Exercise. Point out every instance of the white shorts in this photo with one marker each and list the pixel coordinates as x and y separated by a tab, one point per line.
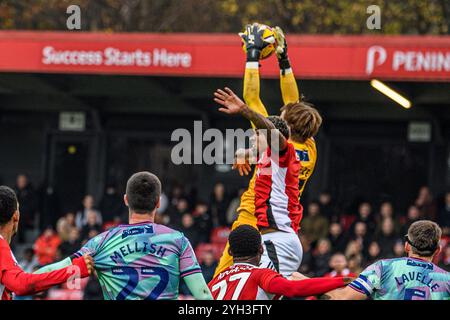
283	252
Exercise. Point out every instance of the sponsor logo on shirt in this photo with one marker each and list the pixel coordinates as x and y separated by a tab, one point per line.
136	231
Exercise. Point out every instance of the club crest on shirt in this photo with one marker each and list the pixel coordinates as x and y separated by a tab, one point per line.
302	155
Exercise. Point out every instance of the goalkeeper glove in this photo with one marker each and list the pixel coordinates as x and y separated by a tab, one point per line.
253	41
281	50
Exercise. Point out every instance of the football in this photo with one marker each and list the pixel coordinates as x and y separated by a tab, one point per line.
269	40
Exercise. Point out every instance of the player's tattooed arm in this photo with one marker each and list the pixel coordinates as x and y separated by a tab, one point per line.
233	105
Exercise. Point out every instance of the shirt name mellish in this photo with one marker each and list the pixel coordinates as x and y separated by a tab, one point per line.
143	247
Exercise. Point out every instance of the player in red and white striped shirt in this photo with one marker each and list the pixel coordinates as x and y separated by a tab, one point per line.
12	278
277	205
244	280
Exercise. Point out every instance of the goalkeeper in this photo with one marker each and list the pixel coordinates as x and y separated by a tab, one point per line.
304	122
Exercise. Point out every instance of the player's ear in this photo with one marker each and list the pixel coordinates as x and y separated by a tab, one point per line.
229	251
438	250
407	247
158	204
16	216
125	199
261	250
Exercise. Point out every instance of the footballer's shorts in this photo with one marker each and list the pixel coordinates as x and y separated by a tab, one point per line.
226	260
283	252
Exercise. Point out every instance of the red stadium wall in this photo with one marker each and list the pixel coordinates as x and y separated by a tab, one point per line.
416	58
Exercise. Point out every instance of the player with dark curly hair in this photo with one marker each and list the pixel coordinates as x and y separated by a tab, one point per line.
12	278
244	280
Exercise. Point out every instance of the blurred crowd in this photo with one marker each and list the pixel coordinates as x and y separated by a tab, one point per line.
335	241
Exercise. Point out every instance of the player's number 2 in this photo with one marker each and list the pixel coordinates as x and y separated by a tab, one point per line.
133	280
222	285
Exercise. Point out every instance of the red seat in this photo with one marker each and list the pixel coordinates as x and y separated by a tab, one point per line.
215	248
203	248
346	221
220	235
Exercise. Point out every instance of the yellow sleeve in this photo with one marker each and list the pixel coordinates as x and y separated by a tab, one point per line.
251	88
289	88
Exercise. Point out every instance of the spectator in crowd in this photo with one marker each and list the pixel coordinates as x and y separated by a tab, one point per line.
208	266
387	212
28	264
338	266
29	261
189	230
354	247
445	260
374	253
444	216
219	205
202	221
46	246
314	225
387	237
321	257
177	212
399	249
91	224
176	194
337	238
112	204
413	215
92	233
425	203
72	244
307	260
361	236
93	290
28	199
364	215
232	208
354	263
88	206
327	207
64	225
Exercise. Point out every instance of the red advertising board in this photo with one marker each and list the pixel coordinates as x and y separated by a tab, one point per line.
415	58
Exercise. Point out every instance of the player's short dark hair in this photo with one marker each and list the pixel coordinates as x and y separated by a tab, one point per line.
8	204
143	192
280	124
424	237
245	241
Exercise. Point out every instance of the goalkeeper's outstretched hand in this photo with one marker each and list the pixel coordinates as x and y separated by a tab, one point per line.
253	41
281	50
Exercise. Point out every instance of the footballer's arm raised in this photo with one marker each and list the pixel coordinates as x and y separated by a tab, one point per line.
251	93
233	105
288	85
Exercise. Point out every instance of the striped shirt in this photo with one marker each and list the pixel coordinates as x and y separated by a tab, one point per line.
277	202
